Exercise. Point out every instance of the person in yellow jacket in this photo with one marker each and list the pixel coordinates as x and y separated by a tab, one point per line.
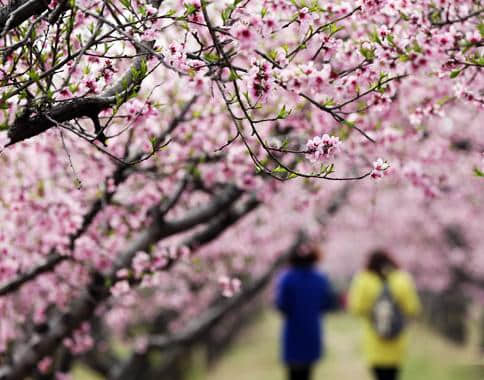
383	354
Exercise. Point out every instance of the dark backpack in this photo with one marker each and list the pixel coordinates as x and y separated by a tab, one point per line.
387	317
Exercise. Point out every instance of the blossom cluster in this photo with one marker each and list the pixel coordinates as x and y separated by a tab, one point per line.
230	286
380	168
323	148
182	103
260	81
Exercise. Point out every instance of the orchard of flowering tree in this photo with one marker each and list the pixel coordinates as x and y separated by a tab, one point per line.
160	158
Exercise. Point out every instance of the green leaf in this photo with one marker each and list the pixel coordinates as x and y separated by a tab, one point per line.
195	172
315	7
477	59
329	102
283	113
480	27
344	133
246	96
333	28
143	68
404	16
369	54
416	47
170	13
34	75
73	87
435	17
348	123
50	94
154	142
211	57
234	76
279	169
478	172
272	54
190	9
77	183
107	282
226	13
375	37
455	73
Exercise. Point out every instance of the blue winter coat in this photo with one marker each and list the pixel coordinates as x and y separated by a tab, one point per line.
303	295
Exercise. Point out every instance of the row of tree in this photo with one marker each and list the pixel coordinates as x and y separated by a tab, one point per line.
159	155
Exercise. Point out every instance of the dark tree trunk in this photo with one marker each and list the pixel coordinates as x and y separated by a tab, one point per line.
446	312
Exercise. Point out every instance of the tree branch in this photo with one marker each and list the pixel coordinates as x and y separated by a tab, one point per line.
215	228
17	11
212	316
120	174
98	290
29	125
207	320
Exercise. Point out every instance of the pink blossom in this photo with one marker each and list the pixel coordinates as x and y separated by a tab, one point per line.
53	4
198	82
176	56
304	17
225	74
45	364
196	14
120	288
65	93
151	10
260	81
319	78
62	376
245	35
141	262
81	340
230	286
141	344
373	5
380	168
415	91
473	37
122	273
90	84
270	24
280	58
323	148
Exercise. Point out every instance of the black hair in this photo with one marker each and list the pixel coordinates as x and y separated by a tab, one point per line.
381	262
305	256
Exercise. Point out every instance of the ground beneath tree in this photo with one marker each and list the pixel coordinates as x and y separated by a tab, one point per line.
254	356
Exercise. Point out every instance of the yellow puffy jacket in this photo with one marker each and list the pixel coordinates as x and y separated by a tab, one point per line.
364	290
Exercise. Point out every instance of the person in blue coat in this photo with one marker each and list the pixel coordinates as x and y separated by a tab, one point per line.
303	295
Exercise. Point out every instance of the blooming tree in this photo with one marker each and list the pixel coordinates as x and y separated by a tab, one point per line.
136	135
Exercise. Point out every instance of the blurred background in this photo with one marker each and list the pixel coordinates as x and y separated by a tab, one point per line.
445	344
